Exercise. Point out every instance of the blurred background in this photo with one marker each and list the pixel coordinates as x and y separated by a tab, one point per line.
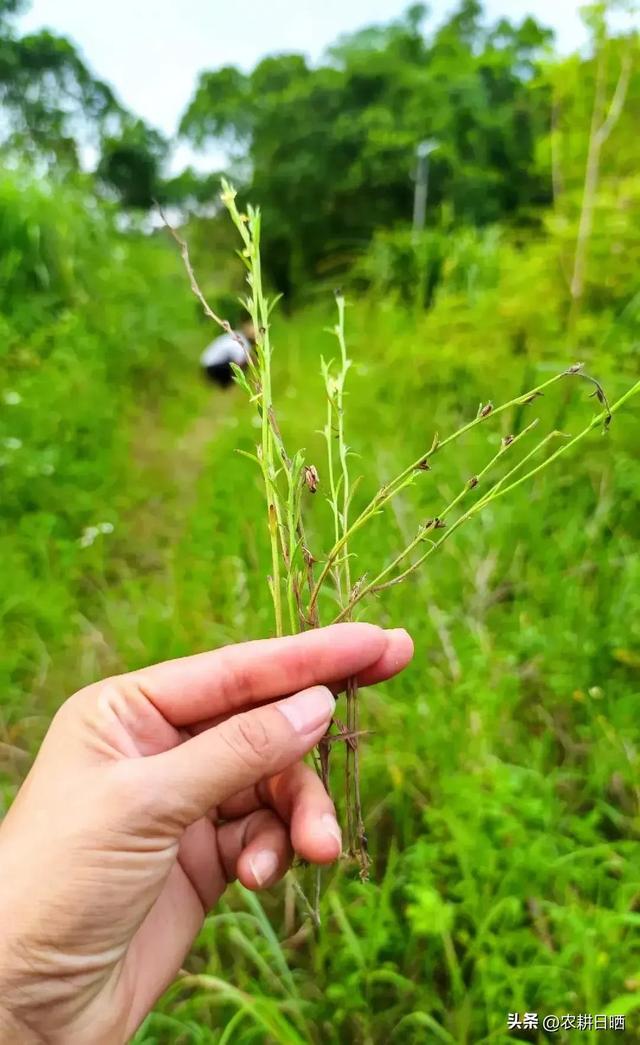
468	174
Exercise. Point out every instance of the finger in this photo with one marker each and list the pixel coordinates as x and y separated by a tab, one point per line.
255	849
395	657
200	859
188	780
300	799
195	688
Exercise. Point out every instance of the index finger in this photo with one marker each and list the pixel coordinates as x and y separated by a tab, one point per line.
189	690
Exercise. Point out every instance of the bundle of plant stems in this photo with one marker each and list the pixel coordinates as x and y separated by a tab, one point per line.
300	579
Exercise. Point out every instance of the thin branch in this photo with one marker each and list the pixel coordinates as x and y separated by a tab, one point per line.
433	525
195	286
406	477
500	489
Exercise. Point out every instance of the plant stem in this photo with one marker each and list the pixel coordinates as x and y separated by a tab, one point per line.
408	475
595	423
434	523
500	489
343	450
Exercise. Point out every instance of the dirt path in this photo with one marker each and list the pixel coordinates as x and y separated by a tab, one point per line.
167	460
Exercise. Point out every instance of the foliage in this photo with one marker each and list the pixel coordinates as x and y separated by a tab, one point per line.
61	467
57	112
499	779
131	164
491	778
39	75
331	149
500	772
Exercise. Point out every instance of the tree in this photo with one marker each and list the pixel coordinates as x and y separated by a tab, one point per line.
57	113
52	103
131	164
329	151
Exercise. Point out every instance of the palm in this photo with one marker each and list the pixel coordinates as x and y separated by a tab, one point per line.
150	793
188	875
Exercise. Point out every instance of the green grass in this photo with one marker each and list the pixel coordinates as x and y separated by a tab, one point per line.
500	780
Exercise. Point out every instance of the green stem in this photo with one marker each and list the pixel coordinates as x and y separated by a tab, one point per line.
333	491
600	419
342	446
405	477
249	229
422	534
501	489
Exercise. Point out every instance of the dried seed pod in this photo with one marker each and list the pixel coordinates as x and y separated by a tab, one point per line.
311	478
532	398
575	369
486	410
507	441
473	482
424	465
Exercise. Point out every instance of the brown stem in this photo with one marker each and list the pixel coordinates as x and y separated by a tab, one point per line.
358	840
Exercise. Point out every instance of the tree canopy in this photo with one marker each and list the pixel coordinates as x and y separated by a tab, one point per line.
329	150
56	112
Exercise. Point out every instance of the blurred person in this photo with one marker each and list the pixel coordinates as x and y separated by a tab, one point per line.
150	794
235	347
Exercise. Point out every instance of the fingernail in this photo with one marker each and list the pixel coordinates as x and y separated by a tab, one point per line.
399	632
330	825
309	710
264	865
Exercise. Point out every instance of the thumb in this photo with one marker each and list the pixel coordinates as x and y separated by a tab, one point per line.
238	753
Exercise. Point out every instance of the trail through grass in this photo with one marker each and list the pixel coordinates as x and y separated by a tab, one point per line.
500	778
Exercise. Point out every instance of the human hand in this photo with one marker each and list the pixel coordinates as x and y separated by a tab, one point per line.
151	792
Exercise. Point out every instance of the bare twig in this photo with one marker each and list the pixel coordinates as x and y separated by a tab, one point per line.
422	465
286	477
195	286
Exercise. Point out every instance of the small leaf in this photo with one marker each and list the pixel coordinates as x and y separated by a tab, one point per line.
274	301
240	378
249	456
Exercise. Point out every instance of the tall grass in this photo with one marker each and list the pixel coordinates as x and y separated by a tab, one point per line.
285	475
499	776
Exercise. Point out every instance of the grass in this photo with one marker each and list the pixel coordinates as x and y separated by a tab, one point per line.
286	473
500	779
499	783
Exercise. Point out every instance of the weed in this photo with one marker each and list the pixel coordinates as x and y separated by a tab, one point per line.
297	588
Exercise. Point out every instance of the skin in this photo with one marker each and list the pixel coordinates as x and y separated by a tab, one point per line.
151	792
